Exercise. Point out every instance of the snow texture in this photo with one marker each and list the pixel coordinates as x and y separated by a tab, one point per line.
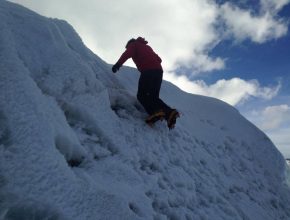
74	145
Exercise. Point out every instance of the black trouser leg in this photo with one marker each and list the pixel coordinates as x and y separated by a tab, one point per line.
148	92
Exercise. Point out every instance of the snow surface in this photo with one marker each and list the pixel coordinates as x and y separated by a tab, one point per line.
74	145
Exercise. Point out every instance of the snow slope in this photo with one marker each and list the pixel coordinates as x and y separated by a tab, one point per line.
73	143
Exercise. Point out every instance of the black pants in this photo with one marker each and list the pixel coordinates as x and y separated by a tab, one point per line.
148	92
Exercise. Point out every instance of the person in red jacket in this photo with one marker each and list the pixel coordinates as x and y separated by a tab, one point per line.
149	64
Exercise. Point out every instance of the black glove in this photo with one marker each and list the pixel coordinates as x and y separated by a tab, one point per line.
115	68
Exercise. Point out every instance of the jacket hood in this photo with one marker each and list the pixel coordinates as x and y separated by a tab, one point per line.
142	40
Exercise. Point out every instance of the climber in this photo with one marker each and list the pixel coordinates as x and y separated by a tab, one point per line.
149	65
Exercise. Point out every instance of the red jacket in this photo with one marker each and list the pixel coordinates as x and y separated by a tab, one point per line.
142	54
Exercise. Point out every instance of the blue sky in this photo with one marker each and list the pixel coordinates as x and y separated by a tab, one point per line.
267	62
237	51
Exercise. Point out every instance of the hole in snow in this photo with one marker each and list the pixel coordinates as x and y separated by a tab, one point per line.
65	148
74	162
4	131
134	209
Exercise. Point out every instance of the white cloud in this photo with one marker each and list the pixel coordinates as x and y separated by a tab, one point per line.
233	91
200	62
274	117
179	32
182	32
242	24
275	122
281	139
273	6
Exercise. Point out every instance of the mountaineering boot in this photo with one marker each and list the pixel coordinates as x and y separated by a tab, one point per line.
173	115
159	115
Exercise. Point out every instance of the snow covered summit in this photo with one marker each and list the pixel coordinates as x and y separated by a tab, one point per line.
74	145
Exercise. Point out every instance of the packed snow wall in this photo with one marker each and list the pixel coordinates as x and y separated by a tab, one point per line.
74	145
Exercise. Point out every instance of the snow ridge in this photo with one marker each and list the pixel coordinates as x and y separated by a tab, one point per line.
74	145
